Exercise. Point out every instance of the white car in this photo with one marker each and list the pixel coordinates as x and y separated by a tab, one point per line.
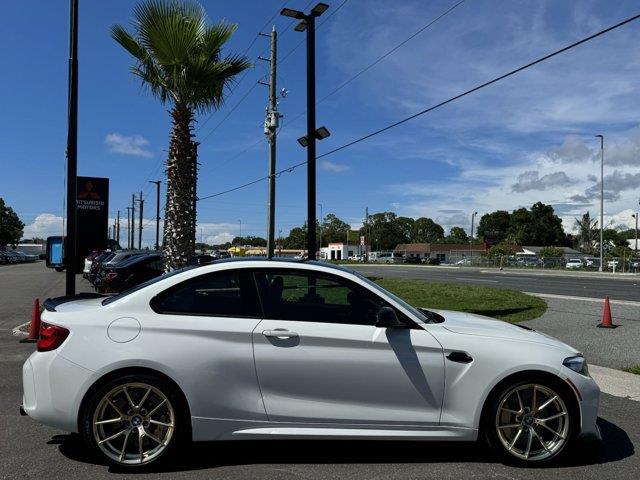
250	349
574	263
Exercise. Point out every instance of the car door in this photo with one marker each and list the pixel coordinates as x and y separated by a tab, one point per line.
321	359
201	328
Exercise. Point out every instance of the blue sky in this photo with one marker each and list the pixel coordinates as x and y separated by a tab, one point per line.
526	139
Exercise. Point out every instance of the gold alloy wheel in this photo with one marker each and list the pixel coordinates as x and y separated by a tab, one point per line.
133	423
532	422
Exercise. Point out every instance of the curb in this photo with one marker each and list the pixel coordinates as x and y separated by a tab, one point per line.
616	382
21	330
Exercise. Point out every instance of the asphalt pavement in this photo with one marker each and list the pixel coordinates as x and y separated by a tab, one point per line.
539	281
31	450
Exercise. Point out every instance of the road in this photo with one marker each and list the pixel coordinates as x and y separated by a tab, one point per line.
621	288
30	450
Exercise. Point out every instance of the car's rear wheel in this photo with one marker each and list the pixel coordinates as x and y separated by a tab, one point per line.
531	422
133	421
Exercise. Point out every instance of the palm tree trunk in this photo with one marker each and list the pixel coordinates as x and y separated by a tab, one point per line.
180	215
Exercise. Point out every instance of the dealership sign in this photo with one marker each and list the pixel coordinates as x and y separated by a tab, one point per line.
92	205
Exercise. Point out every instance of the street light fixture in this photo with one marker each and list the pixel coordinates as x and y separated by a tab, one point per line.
308	24
601	198
320	134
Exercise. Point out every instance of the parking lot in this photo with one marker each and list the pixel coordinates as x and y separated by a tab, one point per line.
29	450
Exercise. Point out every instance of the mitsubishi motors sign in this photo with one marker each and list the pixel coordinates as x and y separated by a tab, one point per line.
92	203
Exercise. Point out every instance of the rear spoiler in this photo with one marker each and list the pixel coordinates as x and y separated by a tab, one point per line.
50	304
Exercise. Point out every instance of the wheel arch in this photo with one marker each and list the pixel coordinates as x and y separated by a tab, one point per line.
120	372
526	375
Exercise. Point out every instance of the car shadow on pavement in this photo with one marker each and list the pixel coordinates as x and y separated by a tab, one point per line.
616	446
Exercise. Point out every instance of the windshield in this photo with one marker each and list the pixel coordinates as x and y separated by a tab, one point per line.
159	278
422	315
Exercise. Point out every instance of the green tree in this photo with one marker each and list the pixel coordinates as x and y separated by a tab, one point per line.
385	232
551	252
179	59
494	226
536	226
333	229
457	235
297	237
427	231
586	227
500	250
11	228
249	240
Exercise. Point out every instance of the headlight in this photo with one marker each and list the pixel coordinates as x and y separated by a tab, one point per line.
577	364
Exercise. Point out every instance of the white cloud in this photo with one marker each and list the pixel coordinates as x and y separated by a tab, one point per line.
328	166
128	145
45	225
531	180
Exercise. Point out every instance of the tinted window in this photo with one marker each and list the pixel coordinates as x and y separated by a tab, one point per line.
226	294
313	297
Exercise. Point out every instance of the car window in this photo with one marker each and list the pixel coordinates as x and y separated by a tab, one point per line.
315	297
226	294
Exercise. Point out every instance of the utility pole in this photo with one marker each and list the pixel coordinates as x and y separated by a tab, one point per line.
118	228
366	233
271	123
601	137
473	217
157	183
133	221
140	226
72	153
129	228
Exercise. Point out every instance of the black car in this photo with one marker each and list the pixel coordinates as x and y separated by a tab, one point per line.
132	272
94	270
411	260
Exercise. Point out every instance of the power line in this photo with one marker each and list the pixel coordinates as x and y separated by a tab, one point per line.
379	59
434	107
481	86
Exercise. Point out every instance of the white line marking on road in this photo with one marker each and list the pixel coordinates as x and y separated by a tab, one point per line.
476	279
584	299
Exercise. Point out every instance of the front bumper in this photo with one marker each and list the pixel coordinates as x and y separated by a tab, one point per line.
52	389
588	394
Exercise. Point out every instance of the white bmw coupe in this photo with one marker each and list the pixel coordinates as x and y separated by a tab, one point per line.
260	349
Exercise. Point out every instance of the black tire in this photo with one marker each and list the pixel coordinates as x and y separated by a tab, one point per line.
59	269
570	431
180	430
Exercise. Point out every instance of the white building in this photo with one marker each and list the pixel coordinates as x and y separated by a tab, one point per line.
342	251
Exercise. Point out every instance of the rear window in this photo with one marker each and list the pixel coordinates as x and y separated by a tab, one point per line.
131	290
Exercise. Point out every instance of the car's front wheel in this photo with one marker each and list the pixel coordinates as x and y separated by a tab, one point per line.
531	422
133	421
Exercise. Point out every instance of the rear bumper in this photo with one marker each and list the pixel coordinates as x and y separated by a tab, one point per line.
52	389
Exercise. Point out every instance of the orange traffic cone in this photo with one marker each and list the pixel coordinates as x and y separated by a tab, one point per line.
34	326
607	321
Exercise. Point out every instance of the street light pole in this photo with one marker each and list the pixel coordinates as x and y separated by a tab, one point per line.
72	153
320	227
635	215
601	137
308	23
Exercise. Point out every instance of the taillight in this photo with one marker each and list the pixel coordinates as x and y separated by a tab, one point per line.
111	276
51	337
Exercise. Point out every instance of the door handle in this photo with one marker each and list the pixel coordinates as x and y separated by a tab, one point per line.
460	357
280	333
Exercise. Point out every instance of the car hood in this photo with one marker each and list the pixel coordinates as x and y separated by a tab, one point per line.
471	324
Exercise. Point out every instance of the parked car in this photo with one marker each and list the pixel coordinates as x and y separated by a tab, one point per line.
131	272
265	349
88	260
4	259
12	256
95	265
411	260
574	263
432	261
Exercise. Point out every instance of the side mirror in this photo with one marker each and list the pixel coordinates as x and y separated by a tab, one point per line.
387	318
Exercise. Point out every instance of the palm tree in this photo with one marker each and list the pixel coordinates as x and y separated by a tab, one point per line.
586	227
178	58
